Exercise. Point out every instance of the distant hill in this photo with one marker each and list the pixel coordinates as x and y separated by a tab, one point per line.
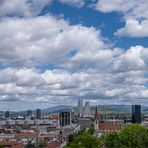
56	108
59	108
122	108
116	108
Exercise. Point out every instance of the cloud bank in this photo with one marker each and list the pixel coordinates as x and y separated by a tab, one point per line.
46	59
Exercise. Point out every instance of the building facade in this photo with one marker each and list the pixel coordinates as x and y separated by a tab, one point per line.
80	108
65	118
86	112
136	114
29	113
7	114
38	114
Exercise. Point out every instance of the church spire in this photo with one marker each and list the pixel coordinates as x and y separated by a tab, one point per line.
96	114
96	120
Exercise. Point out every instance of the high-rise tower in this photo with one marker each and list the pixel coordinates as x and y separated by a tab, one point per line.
65	118
86	112
29	113
7	114
136	113
38	114
80	108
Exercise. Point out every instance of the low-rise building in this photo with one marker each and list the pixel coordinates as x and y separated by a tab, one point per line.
11	144
85	122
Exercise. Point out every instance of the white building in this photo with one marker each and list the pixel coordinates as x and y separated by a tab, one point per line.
10	122
2	122
6	136
86	112
29	122
20	122
38	121
47	121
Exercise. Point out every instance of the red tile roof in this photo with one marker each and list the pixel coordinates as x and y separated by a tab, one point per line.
109	126
27	134
12	144
54	144
44	135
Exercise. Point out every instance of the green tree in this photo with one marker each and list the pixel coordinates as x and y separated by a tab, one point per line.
110	140
41	145
134	136
91	130
131	136
30	145
85	140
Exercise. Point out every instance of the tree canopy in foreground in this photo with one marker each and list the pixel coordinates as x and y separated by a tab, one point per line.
131	136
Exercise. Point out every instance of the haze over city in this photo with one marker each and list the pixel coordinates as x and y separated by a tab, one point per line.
54	52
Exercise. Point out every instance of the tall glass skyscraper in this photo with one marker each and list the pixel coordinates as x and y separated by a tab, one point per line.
86	112
80	108
136	113
38	114
29	113
65	118
7	114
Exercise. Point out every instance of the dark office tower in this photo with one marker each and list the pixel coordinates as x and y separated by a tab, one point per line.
29	113
7	114
65	118
38	114
136	113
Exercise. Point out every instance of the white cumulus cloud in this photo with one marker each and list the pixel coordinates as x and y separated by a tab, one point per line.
135	14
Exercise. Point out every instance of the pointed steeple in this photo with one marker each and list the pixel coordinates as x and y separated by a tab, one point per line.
96	114
96	119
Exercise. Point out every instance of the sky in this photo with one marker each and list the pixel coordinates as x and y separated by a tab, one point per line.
54	52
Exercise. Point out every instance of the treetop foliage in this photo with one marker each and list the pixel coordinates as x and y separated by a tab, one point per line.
131	136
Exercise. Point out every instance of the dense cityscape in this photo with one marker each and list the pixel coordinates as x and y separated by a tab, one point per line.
53	130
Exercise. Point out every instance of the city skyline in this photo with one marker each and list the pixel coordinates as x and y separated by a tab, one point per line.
54	52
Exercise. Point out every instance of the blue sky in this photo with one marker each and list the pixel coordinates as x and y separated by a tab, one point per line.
108	23
54	52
